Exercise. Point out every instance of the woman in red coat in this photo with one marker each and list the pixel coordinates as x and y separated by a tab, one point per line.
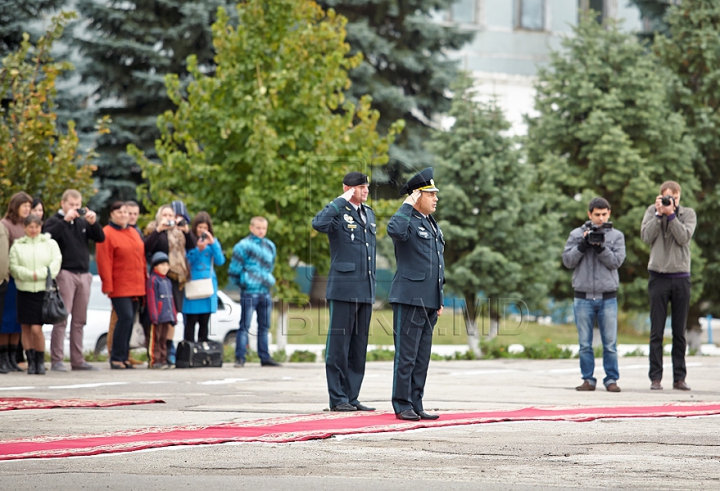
122	268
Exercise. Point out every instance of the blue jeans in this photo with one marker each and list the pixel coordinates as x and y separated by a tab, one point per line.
588	311
251	302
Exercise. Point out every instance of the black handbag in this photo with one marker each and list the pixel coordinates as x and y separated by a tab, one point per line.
53	308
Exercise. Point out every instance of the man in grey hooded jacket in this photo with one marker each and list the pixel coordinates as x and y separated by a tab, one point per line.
594	252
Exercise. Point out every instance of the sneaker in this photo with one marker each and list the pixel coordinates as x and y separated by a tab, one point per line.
58	367
158	366
239	363
86	367
169	365
270	363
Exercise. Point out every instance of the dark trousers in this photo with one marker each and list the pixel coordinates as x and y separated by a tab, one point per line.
190	320
676	291
412	331
158	344
346	350
125	307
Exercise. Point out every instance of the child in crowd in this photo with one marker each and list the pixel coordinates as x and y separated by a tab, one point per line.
161	308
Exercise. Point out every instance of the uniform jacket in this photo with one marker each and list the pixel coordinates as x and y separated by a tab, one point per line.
201	267
419	247
160	304
252	264
28	256
352	251
121	262
669	240
72	237
594	273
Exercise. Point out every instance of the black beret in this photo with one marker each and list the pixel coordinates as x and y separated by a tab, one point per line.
355	179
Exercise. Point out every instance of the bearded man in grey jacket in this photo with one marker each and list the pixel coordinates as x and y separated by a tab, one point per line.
594	252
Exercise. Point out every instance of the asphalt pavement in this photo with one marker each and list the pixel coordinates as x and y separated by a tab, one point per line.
645	453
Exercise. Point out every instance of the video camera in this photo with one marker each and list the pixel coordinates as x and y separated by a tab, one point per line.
596	233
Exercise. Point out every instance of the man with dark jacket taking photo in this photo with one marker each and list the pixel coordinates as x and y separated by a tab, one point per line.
594	252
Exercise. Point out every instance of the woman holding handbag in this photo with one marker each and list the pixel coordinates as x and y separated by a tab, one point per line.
32	257
201	291
123	270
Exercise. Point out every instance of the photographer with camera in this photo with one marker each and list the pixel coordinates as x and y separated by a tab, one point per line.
72	227
594	252
170	234
668	229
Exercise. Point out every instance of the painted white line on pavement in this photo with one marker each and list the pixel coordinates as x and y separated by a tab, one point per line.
86	386
27	387
484	372
223	381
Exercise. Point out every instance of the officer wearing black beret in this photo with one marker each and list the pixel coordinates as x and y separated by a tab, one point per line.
416	293
350	226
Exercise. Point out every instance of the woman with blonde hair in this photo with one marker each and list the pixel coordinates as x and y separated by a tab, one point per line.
170	233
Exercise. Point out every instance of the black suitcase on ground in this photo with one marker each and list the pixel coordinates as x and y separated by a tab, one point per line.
193	355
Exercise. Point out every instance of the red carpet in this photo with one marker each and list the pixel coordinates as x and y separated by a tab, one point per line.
316	426
9	403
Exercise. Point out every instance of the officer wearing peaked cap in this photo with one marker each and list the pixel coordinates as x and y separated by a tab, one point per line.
416	294
350	226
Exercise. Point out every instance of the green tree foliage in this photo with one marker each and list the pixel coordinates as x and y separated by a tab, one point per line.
16	17
35	155
495	228
262	135
405	68
129	48
691	52
605	128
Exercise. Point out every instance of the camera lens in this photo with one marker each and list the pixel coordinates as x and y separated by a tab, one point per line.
81	211
666	200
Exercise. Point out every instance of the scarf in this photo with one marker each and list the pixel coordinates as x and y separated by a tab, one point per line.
176	253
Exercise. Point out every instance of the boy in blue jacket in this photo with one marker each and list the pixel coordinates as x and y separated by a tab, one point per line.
161	308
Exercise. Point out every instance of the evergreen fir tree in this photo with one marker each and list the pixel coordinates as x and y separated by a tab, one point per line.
17	17
405	68
129	47
495	229
606	128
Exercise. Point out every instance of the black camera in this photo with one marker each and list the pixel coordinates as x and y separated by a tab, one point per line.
667	200
81	211
203	236
596	233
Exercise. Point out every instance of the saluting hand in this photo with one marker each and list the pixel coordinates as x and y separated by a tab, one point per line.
413	198
348	194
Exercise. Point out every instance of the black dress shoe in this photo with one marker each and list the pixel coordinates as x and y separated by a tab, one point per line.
408	415
424	415
269	363
343	407
360	407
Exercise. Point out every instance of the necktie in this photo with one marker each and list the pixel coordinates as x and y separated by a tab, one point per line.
361	214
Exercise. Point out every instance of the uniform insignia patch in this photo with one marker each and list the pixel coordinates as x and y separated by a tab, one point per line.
348	218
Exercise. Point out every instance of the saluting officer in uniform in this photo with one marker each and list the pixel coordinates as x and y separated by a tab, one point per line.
350	226
416	293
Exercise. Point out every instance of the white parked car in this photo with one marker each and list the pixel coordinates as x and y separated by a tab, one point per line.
223	324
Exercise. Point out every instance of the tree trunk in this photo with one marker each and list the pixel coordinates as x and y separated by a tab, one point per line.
471	323
694	330
282	325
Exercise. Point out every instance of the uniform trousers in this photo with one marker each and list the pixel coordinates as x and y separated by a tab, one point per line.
412	332
346	350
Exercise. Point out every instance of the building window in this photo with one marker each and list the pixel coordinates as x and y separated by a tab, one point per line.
464	12
600	8
531	14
